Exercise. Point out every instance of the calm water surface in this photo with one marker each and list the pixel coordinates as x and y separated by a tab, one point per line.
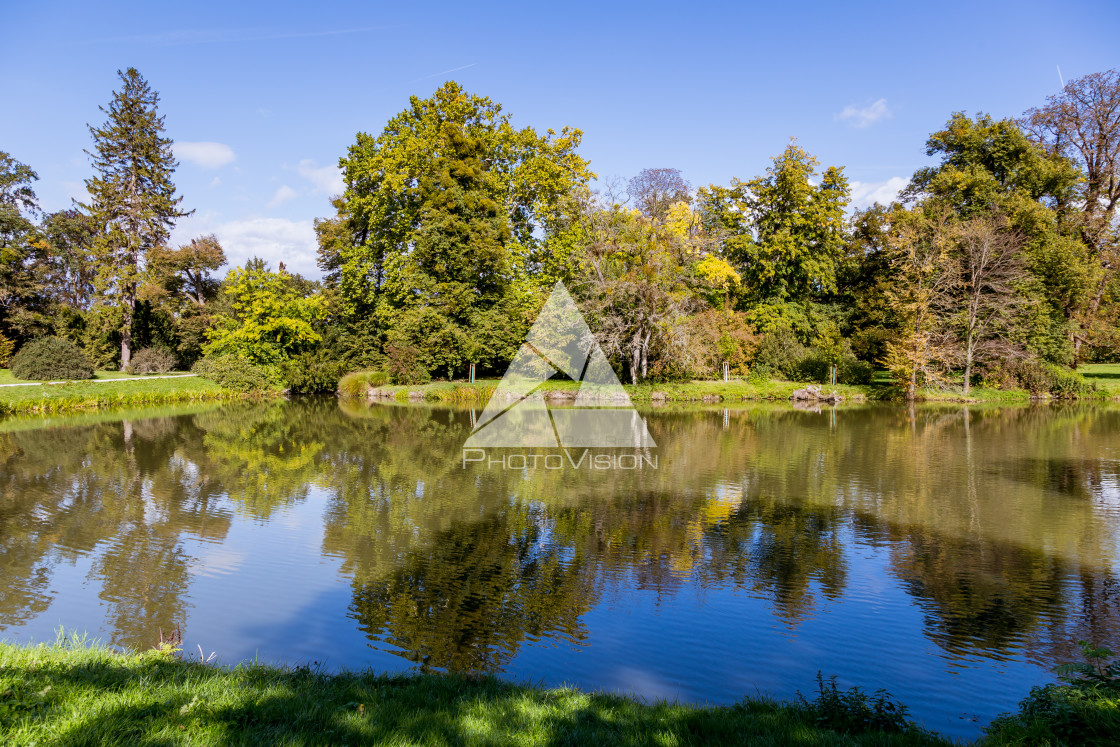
951	555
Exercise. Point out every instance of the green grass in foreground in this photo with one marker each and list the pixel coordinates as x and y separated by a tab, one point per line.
82	395
73	694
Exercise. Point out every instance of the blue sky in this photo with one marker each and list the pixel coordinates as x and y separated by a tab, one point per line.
262	101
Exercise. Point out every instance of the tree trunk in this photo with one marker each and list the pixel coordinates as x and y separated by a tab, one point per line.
1094	306
645	354
635	357
968	368
126	329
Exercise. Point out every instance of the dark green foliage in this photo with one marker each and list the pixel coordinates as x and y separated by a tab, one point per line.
437	343
854	711
406	365
152	361
51	358
239	374
850	370
1085	709
313	373
780	353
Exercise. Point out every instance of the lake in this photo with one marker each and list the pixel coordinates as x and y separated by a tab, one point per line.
952	555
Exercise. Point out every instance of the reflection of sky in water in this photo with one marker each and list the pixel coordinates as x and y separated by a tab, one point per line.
762	551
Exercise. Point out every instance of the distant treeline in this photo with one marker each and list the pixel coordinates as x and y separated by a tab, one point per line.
996	264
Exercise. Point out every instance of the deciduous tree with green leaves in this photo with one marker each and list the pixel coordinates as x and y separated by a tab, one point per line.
449	208
265	316
785	231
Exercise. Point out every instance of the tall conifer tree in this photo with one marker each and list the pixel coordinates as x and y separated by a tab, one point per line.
132	198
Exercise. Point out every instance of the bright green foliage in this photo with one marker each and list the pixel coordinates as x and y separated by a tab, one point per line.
987	162
786	228
266	318
132	198
51	358
238	373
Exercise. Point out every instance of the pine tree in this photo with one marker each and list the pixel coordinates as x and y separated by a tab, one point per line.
132	198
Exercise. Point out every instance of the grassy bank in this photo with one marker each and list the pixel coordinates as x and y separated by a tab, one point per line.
88	395
695	391
75	694
1104	377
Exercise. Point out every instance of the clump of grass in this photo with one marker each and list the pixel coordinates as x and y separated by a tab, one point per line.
77	693
358	383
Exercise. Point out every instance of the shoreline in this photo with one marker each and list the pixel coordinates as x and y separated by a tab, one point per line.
56	693
717	392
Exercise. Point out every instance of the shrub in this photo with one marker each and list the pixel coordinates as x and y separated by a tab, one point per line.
781	352
405	365
1083	710
701	343
854	712
239	374
1038	377
356	384
313	373
152	360
815	367
51	358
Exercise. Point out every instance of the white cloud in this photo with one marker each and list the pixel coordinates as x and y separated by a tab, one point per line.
274	240
865	194
867	115
215	182
284	194
327	179
206	155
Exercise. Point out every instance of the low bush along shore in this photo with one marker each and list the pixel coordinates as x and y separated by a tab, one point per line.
1105	381
75	693
109	389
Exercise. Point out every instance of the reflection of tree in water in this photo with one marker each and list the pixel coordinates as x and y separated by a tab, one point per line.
1003	549
467	599
976	595
127	493
479	591
883	474
105	489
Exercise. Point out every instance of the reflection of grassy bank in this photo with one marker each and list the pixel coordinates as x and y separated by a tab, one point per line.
31	422
91	395
91	695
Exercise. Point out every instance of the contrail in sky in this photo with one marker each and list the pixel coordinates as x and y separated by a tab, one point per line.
445	72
